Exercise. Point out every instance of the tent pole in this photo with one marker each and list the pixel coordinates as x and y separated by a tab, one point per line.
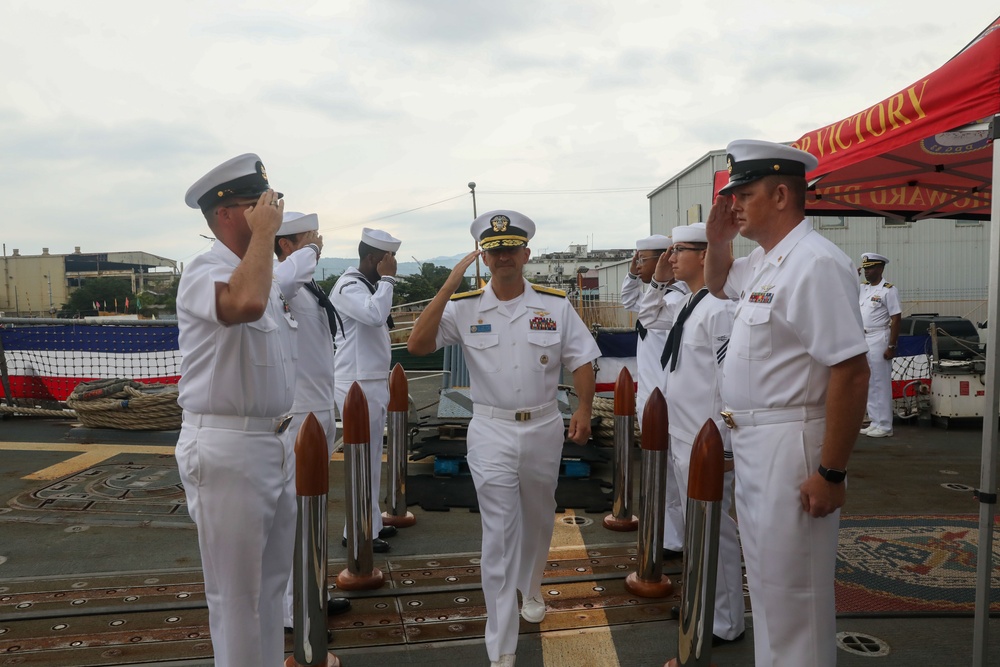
987	491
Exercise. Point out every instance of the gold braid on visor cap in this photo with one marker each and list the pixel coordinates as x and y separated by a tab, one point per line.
503	241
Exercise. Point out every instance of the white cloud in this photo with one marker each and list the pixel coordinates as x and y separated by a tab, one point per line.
365	109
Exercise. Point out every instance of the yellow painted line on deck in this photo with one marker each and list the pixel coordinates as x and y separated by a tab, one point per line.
90	455
586	646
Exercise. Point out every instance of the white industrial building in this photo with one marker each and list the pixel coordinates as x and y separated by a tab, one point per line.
939	265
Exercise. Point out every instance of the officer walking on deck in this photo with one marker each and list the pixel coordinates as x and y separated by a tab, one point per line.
298	245
362	297
238	354
880	314
516	337
794	382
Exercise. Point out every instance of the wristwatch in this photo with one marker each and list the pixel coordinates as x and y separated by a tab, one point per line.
832	475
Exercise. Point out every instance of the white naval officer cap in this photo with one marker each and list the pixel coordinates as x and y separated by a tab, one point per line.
376	238
296	223
654	242
693	233
873	258
750	159
241	176
502	229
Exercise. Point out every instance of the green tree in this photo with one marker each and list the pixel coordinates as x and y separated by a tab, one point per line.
424	285
327	283
159	300
102	290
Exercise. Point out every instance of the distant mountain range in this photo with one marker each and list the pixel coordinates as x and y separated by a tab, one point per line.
334	266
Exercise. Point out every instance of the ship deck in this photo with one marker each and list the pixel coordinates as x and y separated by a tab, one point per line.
99	565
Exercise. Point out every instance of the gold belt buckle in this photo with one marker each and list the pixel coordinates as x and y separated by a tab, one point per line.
283	424
522	415
728	418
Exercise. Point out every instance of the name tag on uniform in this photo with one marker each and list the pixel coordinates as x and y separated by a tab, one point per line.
480	328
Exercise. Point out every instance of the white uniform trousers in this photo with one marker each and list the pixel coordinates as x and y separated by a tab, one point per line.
515	467
673	516
328	420
730	610
240	494
377	393
790	556
880	380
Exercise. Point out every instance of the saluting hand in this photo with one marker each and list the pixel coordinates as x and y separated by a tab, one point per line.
664	270
721	225
634	266
454	280
387	265
264	217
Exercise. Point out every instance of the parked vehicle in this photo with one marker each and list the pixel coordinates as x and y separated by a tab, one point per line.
957	337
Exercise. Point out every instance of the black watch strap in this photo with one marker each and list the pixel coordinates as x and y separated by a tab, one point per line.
832	475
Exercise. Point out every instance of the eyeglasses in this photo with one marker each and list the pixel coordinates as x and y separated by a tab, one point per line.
640	260
682	248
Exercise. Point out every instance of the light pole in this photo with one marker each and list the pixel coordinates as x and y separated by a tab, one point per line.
472	188
52	309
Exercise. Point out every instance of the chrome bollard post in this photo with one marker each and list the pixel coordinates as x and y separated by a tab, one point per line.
395	497
621	517
360	573
648	580
706	479
312	483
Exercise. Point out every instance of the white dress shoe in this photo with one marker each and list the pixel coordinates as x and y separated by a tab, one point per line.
533	609
865	430
878	433
506	660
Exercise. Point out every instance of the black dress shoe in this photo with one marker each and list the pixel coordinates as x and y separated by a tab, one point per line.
675	613
379	546
387	531
670	554
336	606
719	641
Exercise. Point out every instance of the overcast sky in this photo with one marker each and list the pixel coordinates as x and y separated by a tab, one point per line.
570	112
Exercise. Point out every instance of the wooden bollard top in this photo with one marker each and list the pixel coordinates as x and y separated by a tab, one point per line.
398	390
705	477
624	394
355	417
312	469
655	425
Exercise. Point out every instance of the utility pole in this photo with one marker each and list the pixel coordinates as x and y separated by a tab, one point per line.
472	187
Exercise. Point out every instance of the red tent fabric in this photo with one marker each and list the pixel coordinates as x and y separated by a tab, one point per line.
921	153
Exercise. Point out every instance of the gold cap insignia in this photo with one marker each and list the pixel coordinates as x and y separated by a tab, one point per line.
777	167
729	163
499	223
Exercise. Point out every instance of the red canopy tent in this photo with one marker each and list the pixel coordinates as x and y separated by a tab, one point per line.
924	152
929	151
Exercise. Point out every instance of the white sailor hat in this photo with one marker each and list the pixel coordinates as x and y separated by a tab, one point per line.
502	229
693	233
295	223
376	238
750	160
241	176
873	258
654	242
